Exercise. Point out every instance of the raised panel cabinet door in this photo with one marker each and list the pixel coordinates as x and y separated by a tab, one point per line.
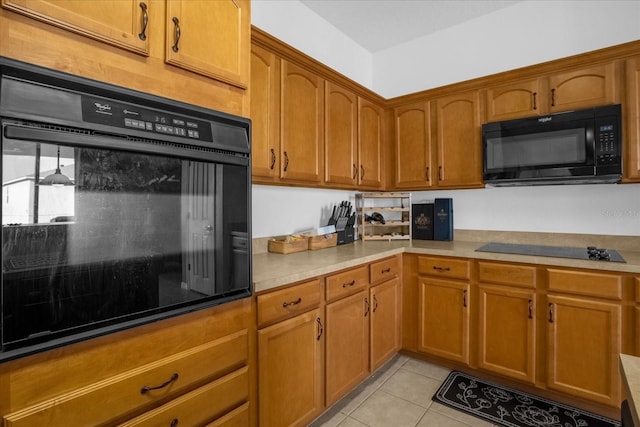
385	322
444	319
265	110
340	124
583	88
291	371
212	38
301	124
584	343
369	144
507	331
123	24
632	117
514	100
413	146
458	140
347	344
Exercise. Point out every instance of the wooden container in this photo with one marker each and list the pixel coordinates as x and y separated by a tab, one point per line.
282	245
324	241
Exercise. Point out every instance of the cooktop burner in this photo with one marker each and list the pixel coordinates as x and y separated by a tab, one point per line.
588	253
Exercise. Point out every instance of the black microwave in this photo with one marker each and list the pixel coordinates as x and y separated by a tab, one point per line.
574	147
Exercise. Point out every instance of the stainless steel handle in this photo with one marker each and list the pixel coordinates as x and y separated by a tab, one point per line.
176	24
145	21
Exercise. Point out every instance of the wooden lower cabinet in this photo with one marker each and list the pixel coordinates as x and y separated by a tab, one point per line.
507	331
584	342
347	344
444	318
161	371
385	322
290	371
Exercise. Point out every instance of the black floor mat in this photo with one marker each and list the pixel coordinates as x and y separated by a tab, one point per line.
512	408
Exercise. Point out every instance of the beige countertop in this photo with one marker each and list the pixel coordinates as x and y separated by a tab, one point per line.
271	270
630	367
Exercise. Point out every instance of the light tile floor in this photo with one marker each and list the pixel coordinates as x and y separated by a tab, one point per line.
397	395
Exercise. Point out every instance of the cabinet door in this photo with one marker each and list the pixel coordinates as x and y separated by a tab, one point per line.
290	371
587	87
507	331
632	117
341	112
369	144
347	344
385	322
122	24
301	118
211	38
459	142
265	110
584	341
513	100
413	146
444	319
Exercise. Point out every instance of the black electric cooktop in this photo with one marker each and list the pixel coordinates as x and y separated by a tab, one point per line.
588	253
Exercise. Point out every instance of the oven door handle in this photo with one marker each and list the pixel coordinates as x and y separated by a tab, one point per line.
115	142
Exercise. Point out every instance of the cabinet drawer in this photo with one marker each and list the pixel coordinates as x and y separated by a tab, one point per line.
123	393
585	283
201	405
384	270
444	267
347	283
506	274
285	303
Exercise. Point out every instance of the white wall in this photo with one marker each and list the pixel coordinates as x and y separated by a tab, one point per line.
526	33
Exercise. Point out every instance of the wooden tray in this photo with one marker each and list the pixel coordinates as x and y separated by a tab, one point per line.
280	245
324	241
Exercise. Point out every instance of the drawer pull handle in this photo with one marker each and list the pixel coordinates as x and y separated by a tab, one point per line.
273	159
320	328
375	303
386	270
530	309
145	21
296	302
348	285
147	388
174	422
441	269
550	312
367	307
464	298
176	24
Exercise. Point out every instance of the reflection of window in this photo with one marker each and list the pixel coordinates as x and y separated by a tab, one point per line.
24	164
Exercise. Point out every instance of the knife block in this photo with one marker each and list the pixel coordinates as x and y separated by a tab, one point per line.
346	235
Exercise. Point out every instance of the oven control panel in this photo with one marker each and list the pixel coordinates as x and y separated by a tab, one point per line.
106	112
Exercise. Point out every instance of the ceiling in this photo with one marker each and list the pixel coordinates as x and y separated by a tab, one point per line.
380	24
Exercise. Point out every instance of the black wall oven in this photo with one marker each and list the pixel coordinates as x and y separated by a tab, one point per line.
118	208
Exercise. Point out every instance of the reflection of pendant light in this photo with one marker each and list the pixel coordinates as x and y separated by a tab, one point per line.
57	179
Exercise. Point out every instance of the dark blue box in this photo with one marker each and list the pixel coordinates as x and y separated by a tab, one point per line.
443	219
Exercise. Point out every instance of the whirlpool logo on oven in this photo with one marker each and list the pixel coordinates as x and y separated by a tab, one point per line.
545	119
102	108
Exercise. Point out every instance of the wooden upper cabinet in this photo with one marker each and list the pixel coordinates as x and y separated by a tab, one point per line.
631	142
265	113
301	124
341	118
459	147
579	88
370	142
122	24
211	38
583	88
513	100
413	146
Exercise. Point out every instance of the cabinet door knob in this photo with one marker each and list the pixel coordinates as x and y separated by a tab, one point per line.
176	24
145	21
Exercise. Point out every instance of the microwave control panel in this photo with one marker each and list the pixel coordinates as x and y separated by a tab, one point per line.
607	139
